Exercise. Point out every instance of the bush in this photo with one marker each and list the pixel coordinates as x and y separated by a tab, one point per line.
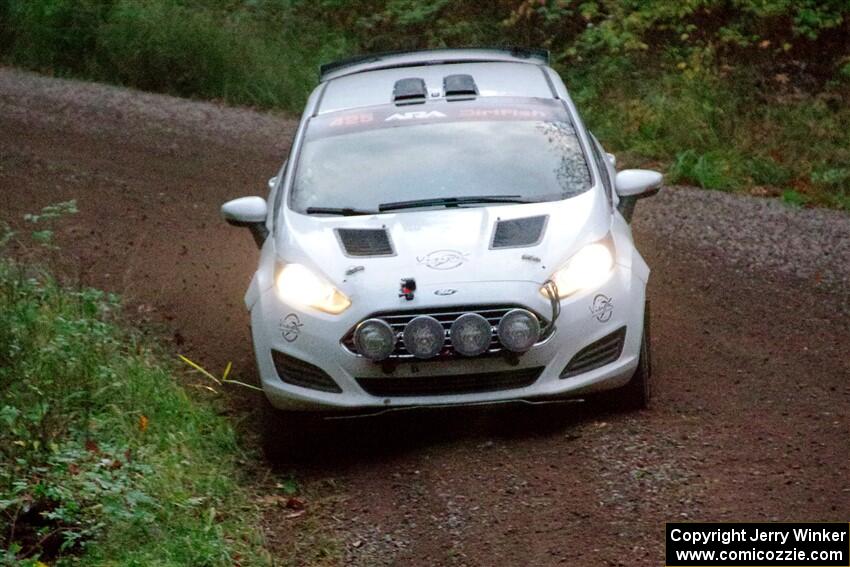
103	456
57	35
712	170
766	171
203	49
163	46
203	52
793	198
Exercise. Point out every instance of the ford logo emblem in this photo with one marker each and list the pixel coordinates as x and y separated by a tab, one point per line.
445	292
442	259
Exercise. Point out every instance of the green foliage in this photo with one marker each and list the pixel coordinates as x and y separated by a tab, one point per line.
53	212
710	131
766	171
205	49
163	46
838	176
793	198
43	235
712	170
55	34
104	458
756	30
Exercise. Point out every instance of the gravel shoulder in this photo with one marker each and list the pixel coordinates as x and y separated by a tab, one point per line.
750	339
764	236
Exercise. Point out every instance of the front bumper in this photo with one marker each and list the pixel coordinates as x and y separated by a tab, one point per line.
314	337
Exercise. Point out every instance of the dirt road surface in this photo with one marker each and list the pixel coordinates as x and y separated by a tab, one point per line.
750	335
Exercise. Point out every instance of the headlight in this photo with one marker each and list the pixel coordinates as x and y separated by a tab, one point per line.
588	268
297	284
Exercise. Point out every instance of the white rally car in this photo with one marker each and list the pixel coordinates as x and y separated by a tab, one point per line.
445	231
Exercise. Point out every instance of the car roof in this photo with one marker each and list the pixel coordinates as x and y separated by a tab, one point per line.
374	61
363	82
374	88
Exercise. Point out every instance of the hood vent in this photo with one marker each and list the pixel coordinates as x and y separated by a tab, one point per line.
516	233
409	91
365	242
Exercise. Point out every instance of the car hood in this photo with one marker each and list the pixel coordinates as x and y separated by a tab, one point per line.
441	246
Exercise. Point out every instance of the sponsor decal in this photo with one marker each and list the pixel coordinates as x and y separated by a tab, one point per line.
443	259
445	291
353	119
502	113
290	327
602	308
415	115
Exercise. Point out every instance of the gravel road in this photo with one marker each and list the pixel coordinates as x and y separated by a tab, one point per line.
750	336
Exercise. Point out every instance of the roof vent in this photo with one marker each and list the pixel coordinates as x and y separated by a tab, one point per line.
517	233
459	87
409	91
365	241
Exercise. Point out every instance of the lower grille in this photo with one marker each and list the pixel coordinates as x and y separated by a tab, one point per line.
453	384
604	351
299	373
446	316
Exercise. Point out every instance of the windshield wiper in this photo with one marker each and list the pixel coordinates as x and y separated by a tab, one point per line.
342	211
451	202
416	203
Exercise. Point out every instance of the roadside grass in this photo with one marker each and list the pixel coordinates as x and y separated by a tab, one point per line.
718	134
793	198
104	458
210	50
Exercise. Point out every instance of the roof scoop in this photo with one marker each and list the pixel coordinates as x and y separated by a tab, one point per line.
410	91
459	87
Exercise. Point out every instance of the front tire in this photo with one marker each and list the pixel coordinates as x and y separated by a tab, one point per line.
637	393
286	435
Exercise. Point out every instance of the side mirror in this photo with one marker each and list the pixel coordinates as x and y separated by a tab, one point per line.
638	183
634	184
248	212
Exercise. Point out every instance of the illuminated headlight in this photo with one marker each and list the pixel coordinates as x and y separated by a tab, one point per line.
587	269
471	334
374	339
297	284
519	330
423	337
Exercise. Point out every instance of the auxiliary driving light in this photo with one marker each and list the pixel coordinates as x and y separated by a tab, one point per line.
519	330
471	334
374	339
424	337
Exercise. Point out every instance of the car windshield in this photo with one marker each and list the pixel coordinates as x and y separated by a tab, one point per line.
353	162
